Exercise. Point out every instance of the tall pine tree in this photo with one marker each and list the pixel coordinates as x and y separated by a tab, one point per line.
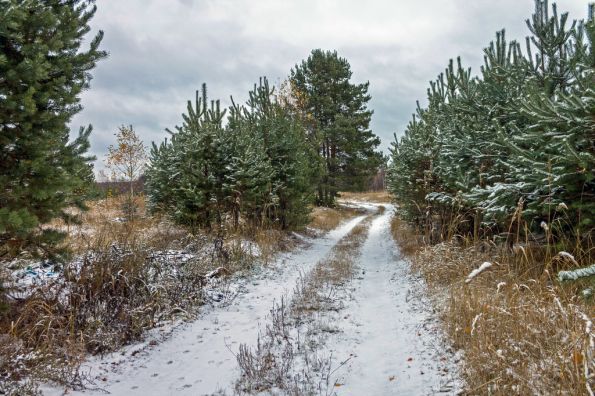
43	70
338	120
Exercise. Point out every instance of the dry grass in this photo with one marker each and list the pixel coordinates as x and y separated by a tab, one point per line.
520	333
326	219
107	298
126	277
288	358
105	220
370	196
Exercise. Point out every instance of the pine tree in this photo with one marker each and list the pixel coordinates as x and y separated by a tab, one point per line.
186	175
338	122
248	180
516	140
256	169
43	70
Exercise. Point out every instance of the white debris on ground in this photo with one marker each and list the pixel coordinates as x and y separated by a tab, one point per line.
26	274
200	357
251	248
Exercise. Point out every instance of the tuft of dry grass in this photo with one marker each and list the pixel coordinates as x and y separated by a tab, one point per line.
327	219
408	241
520	333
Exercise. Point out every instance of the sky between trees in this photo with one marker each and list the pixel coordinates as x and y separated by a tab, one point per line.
162	50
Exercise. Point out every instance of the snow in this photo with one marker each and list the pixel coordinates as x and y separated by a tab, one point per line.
568	256
478	271
199	358
385	338
390	336
251	248
576	274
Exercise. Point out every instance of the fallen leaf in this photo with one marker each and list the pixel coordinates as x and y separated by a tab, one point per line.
577	357
338	384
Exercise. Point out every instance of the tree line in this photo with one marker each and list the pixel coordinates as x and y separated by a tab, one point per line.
512	150
257	167
263	162
272	158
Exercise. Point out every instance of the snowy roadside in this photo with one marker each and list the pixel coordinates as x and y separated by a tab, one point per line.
199	358
360	325
389	336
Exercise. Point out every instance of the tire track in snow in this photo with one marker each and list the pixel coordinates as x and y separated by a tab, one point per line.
384	338
198	359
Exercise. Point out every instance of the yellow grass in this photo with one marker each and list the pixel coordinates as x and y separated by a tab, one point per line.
370	196
519	334
326	219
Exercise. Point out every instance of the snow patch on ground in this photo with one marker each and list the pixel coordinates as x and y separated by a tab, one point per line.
200	357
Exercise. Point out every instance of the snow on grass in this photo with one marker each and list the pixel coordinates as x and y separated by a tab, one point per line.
200	357
484	266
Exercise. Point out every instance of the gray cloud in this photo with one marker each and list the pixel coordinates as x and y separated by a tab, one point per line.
161	51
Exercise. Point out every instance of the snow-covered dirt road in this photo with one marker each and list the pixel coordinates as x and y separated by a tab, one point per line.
387	335
199	358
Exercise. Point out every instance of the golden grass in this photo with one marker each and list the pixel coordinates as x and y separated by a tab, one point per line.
103	222
326	219
520	334
370	196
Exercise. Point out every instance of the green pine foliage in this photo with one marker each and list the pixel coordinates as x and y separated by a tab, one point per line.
255	169
516	139
43	70
338	123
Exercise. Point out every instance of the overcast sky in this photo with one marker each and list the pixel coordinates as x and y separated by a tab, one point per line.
160	51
